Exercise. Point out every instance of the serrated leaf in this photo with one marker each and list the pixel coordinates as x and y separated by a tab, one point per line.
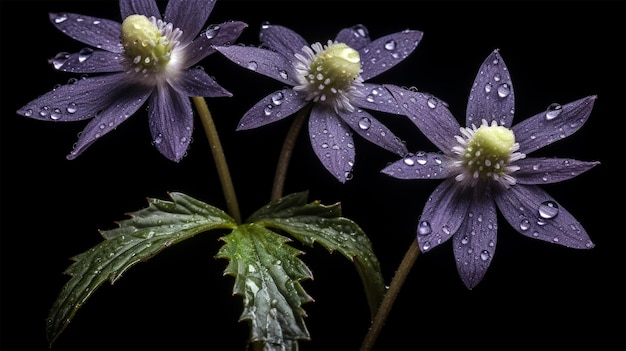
267	275
314	222
136	239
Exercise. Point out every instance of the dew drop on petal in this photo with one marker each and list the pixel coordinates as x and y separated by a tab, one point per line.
484	255
432	102
504	90
56	114
390	45
268	110
426	246
409	161
59	18
465	240
278	98
488	87
283	74
424	228
84	54
553	111
365	123
524	224
548	209
252	65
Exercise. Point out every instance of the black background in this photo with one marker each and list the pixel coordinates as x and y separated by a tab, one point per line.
535	295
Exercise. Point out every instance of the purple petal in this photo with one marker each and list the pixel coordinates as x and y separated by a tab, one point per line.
376	97
386	52
491	97
421	165
81	100
534	213
274	107
282	40
122	104
89	61
430	115
372	130
263	61
445	210
549	170
332	142
556	123
171	122
355	37
196	82
474	244
189	16
97	32
147	8
222	34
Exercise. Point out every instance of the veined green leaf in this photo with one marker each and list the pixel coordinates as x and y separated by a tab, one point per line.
267	274
143	235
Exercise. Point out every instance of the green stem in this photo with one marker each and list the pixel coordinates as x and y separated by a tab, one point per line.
390	296
219	157
286	152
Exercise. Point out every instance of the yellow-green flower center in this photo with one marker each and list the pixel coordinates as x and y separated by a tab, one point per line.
145	44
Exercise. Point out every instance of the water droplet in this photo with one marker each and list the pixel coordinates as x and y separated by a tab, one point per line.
390	45
432	102
60	18
278	98
488	87
445	229
28	112
71	107
56	114
84	54
421	158
485	255
283	74
553	111
268	110
360	30
365	123
465	240
253	65
548	209
426	246
504	90
496	77
524	224
44	111
212	31
424	228
59	59
409	161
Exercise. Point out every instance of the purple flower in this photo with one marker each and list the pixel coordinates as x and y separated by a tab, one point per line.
484	166
331	78
145	58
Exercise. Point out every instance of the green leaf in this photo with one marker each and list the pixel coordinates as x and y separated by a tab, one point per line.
313	222
267	274
137	239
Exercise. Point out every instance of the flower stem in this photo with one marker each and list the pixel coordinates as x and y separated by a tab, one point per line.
285	154
219	157
390	296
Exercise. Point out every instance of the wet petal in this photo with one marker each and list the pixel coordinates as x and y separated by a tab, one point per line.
421	165
386	52
80	100
100	33
263	61
171	122
373	131
122	104
89	61
274	107
554	124
282	40
491	97
196	82
376	97
355	37
534	213
474	244
549	170
221	34
430	115
332	142
443	214
190	16
147	8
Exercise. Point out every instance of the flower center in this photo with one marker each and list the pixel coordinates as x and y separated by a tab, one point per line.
329	74
486	153
149	43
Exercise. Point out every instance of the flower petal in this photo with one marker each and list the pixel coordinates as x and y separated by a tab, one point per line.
147	8
80	100
263	61
386	52
332	142
100	33
283	40
222	34
171	122
421	165
446	208
121	104
534	213
376	97
474	244
189	16
549	126
491	97
429	114
373	131
274	107
355	37
89	61
196	82
549	170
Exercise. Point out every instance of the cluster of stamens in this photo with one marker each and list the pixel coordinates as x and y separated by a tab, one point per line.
486	153
329	74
